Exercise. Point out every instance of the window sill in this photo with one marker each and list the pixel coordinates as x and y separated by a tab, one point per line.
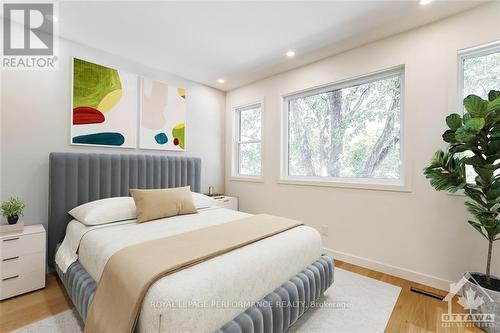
347	184
252	179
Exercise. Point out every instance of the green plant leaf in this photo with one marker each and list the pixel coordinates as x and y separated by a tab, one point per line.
493	94
485	172
476	106
478	227
497	117
459	148
13	206
493	193
485	217
446	173
492	158
475	160
454	121
438	159
492	118
449	136
493	148
494	106
469	130
479	181
465	134
497	227
476	208
475	124
474	194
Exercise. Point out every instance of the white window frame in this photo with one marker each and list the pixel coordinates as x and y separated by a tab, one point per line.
236	111
402	184
464	54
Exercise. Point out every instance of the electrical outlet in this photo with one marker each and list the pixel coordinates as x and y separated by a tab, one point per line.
324	230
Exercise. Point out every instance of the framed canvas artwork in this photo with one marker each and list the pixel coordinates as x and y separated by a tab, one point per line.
104	106
162	116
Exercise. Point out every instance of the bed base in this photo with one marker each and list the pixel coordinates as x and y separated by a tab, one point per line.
275	313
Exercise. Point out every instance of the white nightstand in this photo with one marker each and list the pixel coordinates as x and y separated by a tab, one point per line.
22	265
227	202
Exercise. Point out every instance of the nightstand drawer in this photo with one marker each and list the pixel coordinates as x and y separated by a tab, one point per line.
23	264
22	244
21	283
227	202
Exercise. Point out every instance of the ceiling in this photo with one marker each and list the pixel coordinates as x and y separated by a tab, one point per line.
239	41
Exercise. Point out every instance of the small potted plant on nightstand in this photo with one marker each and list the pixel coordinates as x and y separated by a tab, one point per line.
12	208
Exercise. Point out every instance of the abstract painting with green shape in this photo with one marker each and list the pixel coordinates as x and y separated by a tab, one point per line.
163	116
178	134
92	82
104	110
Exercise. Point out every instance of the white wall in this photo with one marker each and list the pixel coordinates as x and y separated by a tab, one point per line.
421	235
35	120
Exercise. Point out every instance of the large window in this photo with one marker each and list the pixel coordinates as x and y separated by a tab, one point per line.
346	132
248	146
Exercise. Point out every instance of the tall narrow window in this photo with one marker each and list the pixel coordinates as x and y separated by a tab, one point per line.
346	132
479	72
248	145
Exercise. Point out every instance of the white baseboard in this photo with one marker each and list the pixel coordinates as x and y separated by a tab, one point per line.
403	273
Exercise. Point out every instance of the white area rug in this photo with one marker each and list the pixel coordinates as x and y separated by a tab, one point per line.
64	322
361	304
354	303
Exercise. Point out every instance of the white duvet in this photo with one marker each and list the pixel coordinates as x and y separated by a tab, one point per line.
204	297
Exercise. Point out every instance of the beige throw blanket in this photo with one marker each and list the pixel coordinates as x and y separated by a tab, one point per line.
130	272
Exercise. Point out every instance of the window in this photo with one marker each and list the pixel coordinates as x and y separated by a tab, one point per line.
347	133
479	72
248	145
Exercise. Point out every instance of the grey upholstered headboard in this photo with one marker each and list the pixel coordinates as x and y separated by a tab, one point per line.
77	178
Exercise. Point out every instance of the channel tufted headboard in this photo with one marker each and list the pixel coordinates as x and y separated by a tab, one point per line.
77	178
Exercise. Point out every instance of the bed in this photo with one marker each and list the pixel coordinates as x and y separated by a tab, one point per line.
261	287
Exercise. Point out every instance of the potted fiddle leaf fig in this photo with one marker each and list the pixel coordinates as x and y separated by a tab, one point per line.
12	208
474	140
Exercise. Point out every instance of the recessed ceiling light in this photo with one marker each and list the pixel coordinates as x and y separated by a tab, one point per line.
221	80
425	2
290	54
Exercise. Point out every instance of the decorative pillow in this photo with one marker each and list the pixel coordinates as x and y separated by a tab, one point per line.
202	200
105	211
156	204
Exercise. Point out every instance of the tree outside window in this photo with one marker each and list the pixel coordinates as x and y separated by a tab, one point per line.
349	132
248	140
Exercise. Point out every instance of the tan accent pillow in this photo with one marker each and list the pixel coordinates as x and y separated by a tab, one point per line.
156	204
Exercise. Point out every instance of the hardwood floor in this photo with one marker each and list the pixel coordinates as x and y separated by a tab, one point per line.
413	312
19	311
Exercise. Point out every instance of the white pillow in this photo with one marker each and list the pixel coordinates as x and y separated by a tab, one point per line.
105	211
202	200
